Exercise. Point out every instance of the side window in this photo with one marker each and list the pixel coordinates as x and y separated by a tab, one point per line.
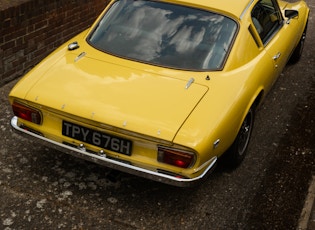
267	19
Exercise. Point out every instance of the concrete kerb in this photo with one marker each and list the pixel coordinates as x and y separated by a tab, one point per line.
308	209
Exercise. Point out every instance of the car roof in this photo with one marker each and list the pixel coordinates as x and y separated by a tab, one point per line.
232	7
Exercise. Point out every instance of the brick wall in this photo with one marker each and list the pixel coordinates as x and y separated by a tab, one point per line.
29	31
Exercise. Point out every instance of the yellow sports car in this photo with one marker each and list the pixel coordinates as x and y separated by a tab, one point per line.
161	89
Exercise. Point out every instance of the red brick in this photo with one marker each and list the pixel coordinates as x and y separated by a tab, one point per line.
33	29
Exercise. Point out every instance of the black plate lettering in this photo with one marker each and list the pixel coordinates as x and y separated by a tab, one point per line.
99	139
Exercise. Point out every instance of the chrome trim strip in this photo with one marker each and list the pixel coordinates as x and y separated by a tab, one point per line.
81	55
117	165
246	8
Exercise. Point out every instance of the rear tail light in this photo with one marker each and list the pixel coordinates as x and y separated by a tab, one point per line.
176	157
27	113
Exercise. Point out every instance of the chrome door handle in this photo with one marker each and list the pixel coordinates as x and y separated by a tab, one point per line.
276	57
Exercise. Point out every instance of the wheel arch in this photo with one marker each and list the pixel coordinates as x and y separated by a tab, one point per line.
255	102
232	159
258	99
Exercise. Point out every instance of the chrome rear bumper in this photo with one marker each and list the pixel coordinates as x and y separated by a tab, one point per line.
114	164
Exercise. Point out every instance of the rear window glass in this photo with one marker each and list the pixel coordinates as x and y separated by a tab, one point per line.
165	34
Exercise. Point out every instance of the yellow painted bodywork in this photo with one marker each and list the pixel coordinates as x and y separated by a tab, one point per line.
151	105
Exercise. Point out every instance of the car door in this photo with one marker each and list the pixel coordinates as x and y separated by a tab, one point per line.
276	35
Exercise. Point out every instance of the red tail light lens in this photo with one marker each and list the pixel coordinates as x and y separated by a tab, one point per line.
175	157
27	113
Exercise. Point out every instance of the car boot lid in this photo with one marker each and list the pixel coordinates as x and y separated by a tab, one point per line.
115	95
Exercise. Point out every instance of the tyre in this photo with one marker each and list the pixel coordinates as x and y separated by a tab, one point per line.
297	53
236	153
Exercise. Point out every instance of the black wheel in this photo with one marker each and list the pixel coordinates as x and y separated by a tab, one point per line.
297	53
236	153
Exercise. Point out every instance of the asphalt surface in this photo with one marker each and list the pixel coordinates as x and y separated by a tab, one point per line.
44	189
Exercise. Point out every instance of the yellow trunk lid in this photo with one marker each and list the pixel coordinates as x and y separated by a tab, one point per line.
124	97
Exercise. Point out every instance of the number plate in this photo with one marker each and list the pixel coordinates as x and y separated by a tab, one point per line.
93	137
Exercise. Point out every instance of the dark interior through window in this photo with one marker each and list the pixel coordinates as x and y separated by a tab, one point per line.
266	18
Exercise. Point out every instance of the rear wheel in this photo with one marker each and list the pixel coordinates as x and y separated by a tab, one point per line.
236	153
